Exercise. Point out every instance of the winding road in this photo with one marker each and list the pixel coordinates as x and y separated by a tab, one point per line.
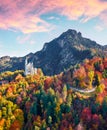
83	90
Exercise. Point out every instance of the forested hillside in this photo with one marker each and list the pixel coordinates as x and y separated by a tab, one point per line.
39	102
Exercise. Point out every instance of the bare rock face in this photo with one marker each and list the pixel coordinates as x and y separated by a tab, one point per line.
59	54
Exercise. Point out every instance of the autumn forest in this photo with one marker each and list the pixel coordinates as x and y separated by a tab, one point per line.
75	99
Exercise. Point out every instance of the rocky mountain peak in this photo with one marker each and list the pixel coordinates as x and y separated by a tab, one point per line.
59	54
70	33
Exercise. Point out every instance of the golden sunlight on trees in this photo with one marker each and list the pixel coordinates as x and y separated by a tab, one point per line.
38	102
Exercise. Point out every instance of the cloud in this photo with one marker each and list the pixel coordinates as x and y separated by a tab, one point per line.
32	42
25	39
99	28
104	17
21	16
25	15
53	18
87	9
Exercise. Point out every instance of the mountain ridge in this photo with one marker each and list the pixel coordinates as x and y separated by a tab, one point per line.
68	49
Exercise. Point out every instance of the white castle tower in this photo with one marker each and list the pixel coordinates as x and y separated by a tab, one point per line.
29	68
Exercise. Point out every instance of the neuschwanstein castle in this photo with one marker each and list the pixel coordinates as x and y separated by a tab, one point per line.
29	68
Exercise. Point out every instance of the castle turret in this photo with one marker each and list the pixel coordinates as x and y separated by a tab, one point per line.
29	68
26	62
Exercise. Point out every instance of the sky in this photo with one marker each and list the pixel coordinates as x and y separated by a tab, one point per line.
25	25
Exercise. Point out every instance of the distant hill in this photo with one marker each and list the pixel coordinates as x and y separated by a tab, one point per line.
68	49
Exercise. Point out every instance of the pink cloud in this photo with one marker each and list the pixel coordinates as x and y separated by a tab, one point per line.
104	17
23	39
86	8
19	15
25	15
